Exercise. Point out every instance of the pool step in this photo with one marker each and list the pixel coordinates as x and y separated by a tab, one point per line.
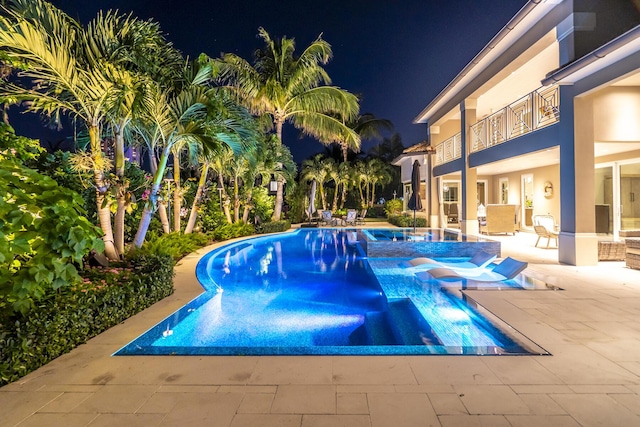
401	324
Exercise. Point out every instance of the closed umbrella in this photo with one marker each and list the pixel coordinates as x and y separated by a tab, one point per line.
312	200
415	202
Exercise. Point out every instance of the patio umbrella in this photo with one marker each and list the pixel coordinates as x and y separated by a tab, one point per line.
312	200
415	202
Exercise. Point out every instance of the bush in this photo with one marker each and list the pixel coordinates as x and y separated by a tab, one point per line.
407	221
68	317
44	235
273	227
176	245
393	207
230	231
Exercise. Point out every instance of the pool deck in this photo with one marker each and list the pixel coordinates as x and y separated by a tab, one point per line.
592	378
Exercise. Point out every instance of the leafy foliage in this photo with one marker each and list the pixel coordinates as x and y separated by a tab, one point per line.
393	207
176	245
230	231
273	226
43	235
407	221
65	318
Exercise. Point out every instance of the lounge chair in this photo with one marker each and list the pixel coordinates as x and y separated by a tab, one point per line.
545	225
327	218
480	260
507	269
350	219
360	218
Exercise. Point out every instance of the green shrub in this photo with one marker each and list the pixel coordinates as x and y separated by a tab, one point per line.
68	317
407	221
176	245
230	231
44	235
393	207
273	227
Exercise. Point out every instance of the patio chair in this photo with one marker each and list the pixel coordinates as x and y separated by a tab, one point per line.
360	218
480	260
351	217
327	218
544	226
507	269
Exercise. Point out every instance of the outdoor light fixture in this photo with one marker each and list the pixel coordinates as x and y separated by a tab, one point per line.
220	189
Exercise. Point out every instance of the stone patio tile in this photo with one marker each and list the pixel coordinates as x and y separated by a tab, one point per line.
65	402
188	389
256	403
305	399
629	401
447	404
116	399
425	388
473	421
352	403
542	404
18	405
619	350
596	410
633	367
599	389
266	420
209	370
248	389
292	370
541	420
367	388
58	420
204	409
336	421
452	370
544	389
571	362
129	420
161	403
520	370
372	370
491	399
401	409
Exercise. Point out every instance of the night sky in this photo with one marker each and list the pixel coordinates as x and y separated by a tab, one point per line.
397	55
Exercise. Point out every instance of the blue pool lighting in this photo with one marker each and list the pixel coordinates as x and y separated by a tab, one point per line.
314	291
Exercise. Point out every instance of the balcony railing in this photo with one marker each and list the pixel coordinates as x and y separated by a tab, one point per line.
449	149
534	111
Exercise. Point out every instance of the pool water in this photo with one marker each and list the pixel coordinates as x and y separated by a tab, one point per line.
315	292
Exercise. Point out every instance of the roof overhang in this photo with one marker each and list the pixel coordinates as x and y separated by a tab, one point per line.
529	15
617	49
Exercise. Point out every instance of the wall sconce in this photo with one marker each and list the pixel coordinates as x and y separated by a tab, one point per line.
548	189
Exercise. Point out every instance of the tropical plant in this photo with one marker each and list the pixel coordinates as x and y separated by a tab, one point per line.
43	235
292	89
320	169
367	127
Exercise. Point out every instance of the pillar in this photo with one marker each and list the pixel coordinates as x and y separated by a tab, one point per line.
469	181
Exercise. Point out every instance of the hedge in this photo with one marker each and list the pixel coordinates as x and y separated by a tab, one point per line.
69	317
406	221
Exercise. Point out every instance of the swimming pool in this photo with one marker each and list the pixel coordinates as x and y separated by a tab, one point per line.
313	291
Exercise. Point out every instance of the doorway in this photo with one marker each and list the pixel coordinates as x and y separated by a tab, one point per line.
526	197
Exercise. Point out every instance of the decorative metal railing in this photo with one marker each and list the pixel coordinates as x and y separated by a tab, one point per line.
534	111
449	149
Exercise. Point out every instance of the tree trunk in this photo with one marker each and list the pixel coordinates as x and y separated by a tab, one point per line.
177	192
225	205
236	200
164	218
121	187
277	210
335	196
151	204
104	213
193	216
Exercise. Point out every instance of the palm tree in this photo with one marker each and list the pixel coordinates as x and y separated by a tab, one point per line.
367	126
292	89
319	169
47	46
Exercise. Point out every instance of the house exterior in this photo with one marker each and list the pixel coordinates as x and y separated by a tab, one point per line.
547	118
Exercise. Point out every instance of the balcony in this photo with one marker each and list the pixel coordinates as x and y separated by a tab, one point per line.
536	110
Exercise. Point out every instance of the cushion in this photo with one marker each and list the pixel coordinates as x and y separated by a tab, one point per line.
482	259
510	267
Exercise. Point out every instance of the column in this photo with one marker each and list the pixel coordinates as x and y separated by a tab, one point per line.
578	242
469	196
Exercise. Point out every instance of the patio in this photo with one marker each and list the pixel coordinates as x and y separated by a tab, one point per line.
592	378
